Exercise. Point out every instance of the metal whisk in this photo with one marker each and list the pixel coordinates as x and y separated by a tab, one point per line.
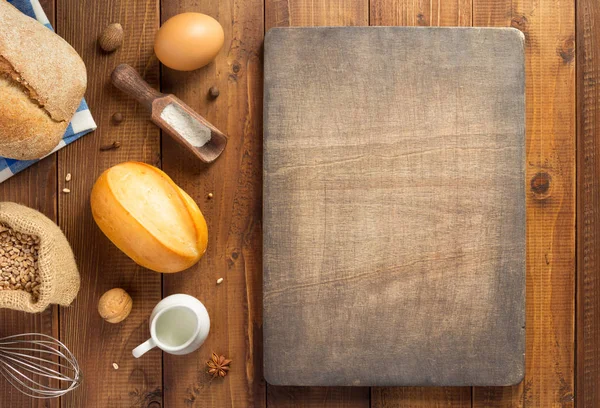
38	365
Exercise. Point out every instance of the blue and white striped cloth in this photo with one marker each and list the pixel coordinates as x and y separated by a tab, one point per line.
81	123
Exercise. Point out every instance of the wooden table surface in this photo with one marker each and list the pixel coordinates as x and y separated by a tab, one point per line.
234	214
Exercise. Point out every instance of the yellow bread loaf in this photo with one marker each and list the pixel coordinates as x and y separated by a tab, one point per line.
147	216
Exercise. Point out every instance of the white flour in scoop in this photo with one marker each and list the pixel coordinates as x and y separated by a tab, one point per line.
186	125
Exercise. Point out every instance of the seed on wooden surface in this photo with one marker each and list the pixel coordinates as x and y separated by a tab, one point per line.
210	195
66	190
115	366
219	281
213	92
117	118
68	177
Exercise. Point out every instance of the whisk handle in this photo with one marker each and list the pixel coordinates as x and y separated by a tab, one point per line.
143	348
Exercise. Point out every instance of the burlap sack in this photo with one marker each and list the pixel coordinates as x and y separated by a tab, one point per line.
57	268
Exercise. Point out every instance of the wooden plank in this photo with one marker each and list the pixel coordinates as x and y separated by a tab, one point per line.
550	65
233	214
298	13
425	13
588	205
420	397
284	13
311	397
35	187
421	13
98	344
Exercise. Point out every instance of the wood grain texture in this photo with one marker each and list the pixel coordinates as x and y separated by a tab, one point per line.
420	397
422	13
96	343
378	239
588	205
34	187
550	80
298	13
233	214
285	13
311	397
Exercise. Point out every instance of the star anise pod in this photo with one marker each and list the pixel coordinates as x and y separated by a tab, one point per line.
218	366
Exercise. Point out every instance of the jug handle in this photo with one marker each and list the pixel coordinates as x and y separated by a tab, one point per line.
143	348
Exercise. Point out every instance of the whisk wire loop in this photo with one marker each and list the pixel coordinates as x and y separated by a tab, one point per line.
38	365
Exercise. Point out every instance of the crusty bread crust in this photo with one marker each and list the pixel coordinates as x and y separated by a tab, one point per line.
26	130
42	82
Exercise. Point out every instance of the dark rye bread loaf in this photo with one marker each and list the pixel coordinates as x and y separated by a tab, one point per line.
42	82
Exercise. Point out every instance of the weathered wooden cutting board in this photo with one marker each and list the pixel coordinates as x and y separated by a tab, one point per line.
394	206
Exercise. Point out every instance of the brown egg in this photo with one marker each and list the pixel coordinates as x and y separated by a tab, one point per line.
188	41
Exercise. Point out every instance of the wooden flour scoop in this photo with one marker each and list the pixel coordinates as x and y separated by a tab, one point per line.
173	116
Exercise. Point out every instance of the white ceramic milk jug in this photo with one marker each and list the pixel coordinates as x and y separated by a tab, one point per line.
179	325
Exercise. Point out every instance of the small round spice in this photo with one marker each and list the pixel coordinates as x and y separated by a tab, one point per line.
210	195
68	177
115	305
213	92
111	38
115	366
219	281
117	118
